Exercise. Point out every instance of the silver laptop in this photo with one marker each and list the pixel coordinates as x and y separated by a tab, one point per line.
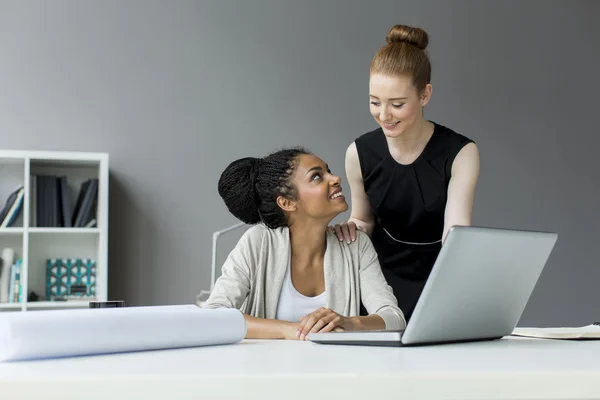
477	290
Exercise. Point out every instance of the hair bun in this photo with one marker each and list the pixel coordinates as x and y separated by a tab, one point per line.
236	188
402	33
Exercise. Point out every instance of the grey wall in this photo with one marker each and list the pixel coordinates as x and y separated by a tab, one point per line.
176	90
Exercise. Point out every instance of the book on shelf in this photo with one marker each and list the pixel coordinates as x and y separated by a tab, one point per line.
11	274
7	260
15	294
12	207
52	206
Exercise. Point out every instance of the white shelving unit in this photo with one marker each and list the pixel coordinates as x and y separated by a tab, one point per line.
33	244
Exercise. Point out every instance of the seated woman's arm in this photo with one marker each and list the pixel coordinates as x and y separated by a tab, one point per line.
376	294
233	286
262	328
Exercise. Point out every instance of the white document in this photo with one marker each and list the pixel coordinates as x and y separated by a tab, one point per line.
63	333
584	332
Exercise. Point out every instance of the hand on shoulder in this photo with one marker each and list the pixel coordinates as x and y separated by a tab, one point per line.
346	232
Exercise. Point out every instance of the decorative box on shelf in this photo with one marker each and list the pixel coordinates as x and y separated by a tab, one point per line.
73	278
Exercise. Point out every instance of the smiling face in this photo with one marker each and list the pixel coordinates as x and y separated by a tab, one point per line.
395	103
319	194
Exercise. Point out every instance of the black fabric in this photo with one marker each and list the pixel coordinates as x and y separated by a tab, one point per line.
409	202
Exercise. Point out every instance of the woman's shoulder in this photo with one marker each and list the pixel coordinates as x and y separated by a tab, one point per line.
373	140
370	135
356	248
262	236
257	244
447	134
364	244
445	145
371	148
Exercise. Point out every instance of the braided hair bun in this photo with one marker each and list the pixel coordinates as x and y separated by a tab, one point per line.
250	186
237	189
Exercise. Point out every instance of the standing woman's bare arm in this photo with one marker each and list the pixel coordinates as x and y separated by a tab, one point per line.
361	213
461	189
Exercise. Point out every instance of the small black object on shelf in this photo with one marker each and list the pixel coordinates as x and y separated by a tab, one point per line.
107	304
33	296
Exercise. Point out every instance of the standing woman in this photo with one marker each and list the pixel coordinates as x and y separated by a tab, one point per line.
411	179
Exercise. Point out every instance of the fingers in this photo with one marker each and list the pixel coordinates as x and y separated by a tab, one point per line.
308	324
308	321
326	323
345	232
333	324
338	232
314	321
305	320
352	230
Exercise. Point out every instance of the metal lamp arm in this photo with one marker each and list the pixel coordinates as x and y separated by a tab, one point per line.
213	267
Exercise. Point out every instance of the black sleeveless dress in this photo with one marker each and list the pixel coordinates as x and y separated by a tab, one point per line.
408	203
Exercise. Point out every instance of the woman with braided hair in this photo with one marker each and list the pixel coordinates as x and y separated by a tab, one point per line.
288	274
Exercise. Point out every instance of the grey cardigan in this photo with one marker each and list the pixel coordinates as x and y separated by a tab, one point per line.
253	274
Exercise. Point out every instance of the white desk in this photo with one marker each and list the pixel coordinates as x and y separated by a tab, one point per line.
511	368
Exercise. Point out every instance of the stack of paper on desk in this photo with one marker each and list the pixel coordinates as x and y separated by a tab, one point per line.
63	333
584	332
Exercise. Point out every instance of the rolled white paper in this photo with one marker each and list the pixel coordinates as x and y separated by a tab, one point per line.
64	333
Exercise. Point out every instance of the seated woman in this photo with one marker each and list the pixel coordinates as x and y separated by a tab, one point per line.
288	274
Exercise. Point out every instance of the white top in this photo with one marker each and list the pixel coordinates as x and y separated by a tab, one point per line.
293	305
511	368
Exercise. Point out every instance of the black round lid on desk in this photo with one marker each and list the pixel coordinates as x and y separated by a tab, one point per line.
107	304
